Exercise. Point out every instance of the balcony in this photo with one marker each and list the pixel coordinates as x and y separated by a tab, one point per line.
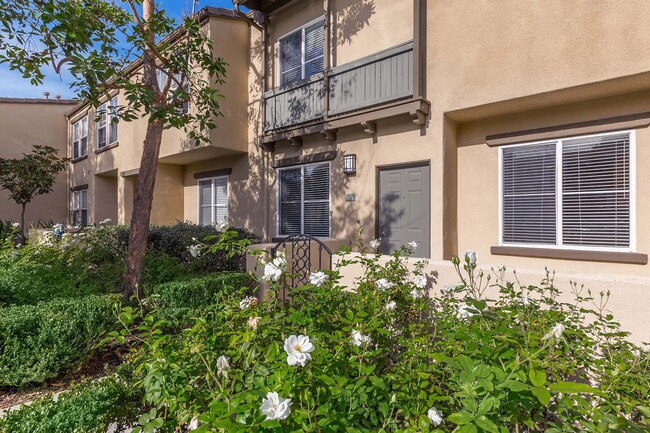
371	82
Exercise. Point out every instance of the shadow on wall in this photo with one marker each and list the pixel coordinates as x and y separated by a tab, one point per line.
354	15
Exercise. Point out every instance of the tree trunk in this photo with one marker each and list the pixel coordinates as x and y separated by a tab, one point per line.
132	282
144	187
22	224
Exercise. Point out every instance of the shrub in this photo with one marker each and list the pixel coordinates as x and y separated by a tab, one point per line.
175	239
387	357
178	300
39	341
85	408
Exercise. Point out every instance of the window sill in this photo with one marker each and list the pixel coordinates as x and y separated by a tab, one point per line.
109	147
81	158
582	255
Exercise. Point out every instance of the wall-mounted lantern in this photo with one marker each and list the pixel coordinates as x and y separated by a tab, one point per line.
350	164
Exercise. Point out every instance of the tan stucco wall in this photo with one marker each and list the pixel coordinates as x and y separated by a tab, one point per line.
398	141
359	28
105	170
24	125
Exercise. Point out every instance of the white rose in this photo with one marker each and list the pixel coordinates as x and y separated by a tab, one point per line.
555	332
465	311
435	416
391	305
384	284
358	339
318	278
470	256
195	250
416	294
194	424
254	322
298	348
275	407
222	365
247	302
420	281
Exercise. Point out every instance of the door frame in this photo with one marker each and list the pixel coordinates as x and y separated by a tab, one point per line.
383	167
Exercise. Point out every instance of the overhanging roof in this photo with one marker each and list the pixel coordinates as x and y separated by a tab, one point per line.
265	6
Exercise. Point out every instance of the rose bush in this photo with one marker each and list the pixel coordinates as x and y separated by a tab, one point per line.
395	355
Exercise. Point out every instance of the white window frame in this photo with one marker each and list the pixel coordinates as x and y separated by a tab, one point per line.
213	205
76	198
302	50
106	112
302	197
558	195
76	132
173	86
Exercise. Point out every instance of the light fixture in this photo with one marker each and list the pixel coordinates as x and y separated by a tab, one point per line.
350	164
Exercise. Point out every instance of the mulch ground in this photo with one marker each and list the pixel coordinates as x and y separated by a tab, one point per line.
97	367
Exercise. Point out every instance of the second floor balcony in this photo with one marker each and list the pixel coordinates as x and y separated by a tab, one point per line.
376	81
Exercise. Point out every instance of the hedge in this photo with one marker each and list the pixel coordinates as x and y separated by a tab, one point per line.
39	341
85	408
178	300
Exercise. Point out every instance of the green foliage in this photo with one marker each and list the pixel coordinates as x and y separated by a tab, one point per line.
39	341
33	174
177	301
30	176
92	261
386	357
85	408
98	40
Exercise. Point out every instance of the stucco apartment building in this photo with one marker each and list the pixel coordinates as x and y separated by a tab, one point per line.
24	123
510	129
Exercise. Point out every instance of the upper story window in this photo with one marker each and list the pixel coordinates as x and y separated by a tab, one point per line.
575	193
213	200
162	78
79	208
80	138
305	200
107	123
302	53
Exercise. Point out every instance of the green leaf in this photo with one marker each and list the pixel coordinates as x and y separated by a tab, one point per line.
461	418
573	388
468	428
515	385
537	376
487	425
423	423
542	394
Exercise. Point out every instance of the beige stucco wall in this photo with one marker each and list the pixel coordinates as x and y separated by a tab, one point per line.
359	28
110	174
397	141
24	125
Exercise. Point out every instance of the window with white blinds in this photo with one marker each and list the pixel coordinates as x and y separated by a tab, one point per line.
213	200
79	208
571	193
302	53
305	200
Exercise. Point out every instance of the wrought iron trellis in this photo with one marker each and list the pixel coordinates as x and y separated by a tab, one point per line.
304	254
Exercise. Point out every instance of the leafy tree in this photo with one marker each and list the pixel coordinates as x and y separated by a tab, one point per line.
32	175
114	46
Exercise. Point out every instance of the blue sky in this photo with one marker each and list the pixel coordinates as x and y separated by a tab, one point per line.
12	84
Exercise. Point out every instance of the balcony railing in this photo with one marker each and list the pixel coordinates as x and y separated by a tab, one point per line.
371	81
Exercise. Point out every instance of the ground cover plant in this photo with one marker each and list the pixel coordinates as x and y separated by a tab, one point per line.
388	357
38	341
88	407
58	292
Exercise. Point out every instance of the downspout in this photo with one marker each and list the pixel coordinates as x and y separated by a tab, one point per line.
246	17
